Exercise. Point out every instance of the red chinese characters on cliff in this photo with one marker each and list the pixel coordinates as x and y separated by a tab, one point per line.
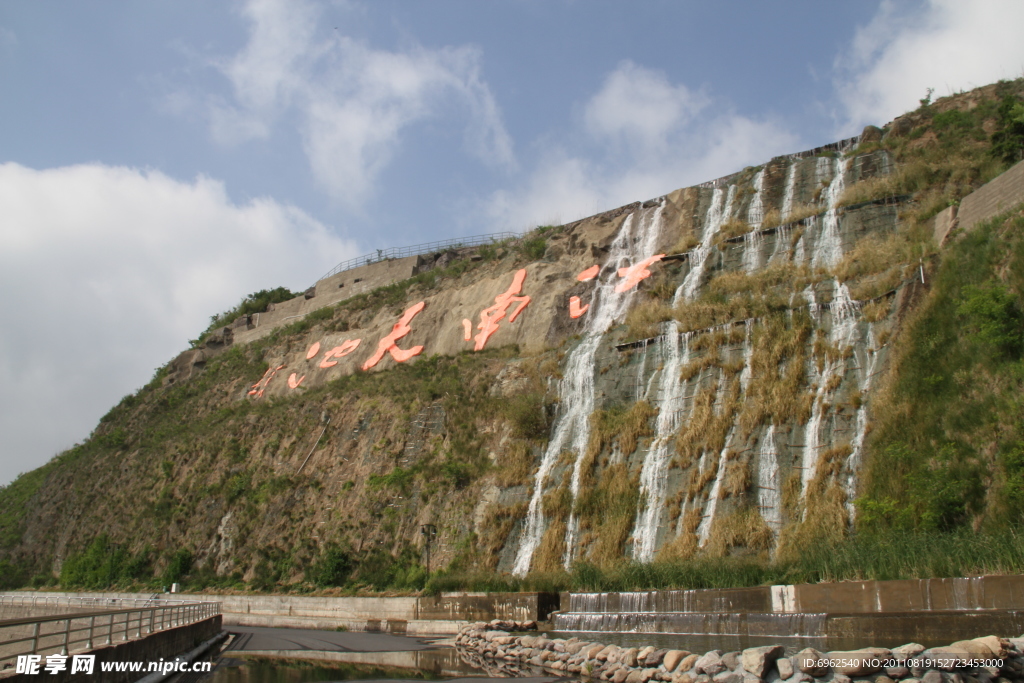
635	273
491	316
347	347
389	343
631	277
261	386
575	310
589	274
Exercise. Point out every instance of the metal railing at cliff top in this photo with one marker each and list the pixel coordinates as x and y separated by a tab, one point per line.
417	249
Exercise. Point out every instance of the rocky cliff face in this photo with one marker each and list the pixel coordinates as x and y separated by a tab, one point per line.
694	373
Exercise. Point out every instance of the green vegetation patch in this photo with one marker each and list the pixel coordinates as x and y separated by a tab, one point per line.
946	452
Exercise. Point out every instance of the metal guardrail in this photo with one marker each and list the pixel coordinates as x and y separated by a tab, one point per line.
87	630
416	249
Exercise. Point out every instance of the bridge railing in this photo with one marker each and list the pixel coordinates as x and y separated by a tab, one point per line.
83	631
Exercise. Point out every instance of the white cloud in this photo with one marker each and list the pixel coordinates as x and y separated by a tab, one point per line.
647	137
108	272
948	45
641	106
353	101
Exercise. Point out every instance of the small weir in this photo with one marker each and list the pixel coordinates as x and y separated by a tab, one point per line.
840	616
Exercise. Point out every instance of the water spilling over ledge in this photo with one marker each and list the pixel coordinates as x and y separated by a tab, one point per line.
835	616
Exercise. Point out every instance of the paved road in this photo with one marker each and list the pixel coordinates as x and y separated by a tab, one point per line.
263	638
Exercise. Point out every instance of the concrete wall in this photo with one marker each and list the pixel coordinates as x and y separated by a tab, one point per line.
942	224
998	195
846	597
982	592
329	291
435	615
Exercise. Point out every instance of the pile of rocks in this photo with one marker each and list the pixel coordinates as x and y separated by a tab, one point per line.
982	660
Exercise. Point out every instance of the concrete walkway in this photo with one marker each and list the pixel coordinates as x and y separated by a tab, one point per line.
263	639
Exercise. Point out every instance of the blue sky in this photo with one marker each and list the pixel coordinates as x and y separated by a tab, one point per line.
160	160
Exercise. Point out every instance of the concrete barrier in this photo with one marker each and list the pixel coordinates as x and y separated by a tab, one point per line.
443	614
998	195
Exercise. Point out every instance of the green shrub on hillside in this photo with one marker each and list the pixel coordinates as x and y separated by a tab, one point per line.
945	451
103	564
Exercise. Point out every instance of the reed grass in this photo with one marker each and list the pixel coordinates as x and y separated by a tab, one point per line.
879	556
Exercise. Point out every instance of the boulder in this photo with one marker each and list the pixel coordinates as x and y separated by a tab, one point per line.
898	128
684	677
759	660
689	661
710	663
619	676
673	658
995	645
628	657
643	652
728	677
785	667
731	660
932	676
870	134
654	659
809	660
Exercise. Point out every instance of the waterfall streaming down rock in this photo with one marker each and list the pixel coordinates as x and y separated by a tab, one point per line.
755	213
635	241
799	253
790	191
704	529
640	392
748	354
828	248
822	170
861	426
655	468
716	215
780	251
844	316
844	313
648	231
752	251
769	499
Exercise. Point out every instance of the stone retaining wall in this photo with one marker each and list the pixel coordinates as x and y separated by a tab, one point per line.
981	660
991	199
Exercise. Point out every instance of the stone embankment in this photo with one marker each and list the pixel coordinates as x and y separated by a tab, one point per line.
981	660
